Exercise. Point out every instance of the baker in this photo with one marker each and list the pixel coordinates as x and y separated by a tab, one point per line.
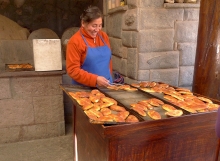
88	54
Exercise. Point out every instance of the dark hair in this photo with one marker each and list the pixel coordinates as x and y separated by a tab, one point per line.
91	13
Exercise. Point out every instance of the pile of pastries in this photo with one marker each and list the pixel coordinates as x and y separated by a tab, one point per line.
101	108
180	97
149	107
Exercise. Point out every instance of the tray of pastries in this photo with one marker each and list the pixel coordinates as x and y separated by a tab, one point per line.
145	105
19	67
100	108
178	96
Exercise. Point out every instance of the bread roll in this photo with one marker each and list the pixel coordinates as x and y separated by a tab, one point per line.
123	114
105	111
95	91
182	89
105	119
139	111
144	84
135	85
96	113
145	108
91	115
205	99
150	90
174	113
106	104
117	108
146	104
132	118
168	107
170	98
131	89
93	98
154	114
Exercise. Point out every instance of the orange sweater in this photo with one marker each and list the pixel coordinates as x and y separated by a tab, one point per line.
76	54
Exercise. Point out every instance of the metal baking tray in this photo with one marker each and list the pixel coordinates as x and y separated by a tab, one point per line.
77	88
126	98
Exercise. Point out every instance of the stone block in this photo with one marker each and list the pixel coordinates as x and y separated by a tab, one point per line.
114	23
130	20
23	87
134	39
52	85
133	4
152	3
132	63
124	65
186	31
143	75
158	60
191	14
48	109
9	134
187	53
127	38
5	88
32	132
156	40
2	65
145	3
56	129
40	131
159	18
116	44
186	76
16	51
169	76
116	63
130	39
123	52
119	65
16	112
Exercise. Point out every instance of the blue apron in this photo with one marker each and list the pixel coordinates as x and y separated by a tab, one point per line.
97	60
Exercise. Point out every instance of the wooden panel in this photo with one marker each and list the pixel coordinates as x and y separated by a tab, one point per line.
191	139
91	144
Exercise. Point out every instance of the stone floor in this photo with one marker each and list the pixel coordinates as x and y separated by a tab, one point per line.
51	149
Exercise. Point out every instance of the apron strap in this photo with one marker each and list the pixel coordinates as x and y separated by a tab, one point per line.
84	39
102	39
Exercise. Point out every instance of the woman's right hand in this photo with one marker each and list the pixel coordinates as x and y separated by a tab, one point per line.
102	81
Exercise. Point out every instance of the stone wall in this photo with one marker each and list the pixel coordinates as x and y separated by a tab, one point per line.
31	107
154	41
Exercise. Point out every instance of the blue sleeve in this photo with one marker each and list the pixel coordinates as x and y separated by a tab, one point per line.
217	128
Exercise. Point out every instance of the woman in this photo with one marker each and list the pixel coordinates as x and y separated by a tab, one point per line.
88	55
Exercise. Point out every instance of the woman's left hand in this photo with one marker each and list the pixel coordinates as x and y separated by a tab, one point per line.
102	81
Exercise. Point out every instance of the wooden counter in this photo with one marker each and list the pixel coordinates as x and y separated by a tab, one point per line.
186	138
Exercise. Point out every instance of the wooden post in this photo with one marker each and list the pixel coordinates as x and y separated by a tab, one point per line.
206	79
